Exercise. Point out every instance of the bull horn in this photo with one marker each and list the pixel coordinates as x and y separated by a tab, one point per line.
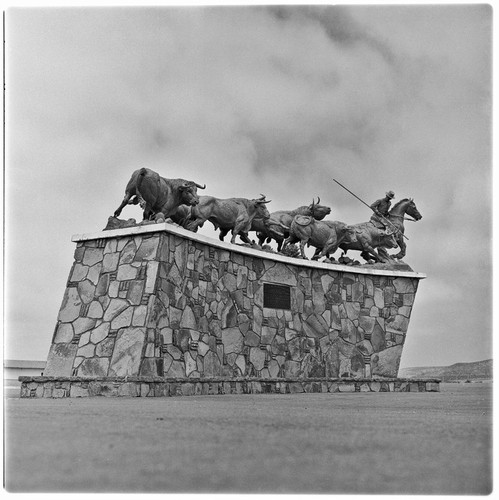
199	185
262	197
318	199
266	201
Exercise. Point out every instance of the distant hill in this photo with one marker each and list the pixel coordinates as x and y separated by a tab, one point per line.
478	370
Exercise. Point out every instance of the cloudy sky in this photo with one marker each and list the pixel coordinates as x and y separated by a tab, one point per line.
254	100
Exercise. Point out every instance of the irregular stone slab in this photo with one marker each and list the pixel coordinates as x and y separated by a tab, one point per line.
102	285
64	333
367	323
105	348
110	262
378	338
379	298
86	289
79	272
135	292
83	324
99	333
257	358
71	305
232	340
139	316
151	275
127	352
147	249
398	324
212	366
188	319
60	360
126	272
96	367
95	310
190	364
86	351
404	285
123	320
291	368
92	256
128	253
315	326
94	273
268	334
115	307
386	363
349	331
281	274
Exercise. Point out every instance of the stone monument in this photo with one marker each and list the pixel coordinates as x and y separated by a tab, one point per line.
157	310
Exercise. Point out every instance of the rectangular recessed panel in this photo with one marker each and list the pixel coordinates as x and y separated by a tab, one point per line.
276	296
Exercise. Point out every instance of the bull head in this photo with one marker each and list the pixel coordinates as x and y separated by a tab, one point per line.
262	199
188	184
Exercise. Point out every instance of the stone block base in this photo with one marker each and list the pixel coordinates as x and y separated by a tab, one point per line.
76	387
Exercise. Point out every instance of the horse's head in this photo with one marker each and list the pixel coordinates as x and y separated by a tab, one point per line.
412	211
406	206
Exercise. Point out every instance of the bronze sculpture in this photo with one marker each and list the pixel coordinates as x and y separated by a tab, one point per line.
380	208
325	236
231	214
277	226
176	200
396	217
156	194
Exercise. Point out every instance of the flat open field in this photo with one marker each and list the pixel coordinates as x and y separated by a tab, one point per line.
404	443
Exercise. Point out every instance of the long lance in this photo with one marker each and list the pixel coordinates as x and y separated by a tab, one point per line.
368	206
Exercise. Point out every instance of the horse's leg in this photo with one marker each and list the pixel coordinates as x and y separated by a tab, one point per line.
382	252
402	246
368	250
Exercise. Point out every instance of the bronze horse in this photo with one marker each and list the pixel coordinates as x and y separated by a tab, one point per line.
396	216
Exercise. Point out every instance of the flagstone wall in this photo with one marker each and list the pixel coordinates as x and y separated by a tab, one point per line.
158	301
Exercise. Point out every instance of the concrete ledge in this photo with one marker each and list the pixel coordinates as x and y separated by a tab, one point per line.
242	249
64	387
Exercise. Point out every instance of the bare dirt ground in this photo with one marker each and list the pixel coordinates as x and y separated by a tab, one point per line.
409	443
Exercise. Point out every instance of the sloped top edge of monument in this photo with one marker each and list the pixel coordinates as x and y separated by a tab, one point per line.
371	269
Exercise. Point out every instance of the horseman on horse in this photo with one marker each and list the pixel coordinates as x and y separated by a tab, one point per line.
381	208
390	220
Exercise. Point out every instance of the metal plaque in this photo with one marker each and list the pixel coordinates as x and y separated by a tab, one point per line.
276	296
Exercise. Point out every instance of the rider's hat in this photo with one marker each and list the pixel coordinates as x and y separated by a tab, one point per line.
390	194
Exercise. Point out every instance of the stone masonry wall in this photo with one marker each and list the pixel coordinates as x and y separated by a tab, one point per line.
158	304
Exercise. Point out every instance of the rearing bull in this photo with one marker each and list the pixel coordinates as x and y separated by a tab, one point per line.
156	194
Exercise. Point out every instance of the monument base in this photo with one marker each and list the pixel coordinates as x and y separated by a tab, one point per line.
75	387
